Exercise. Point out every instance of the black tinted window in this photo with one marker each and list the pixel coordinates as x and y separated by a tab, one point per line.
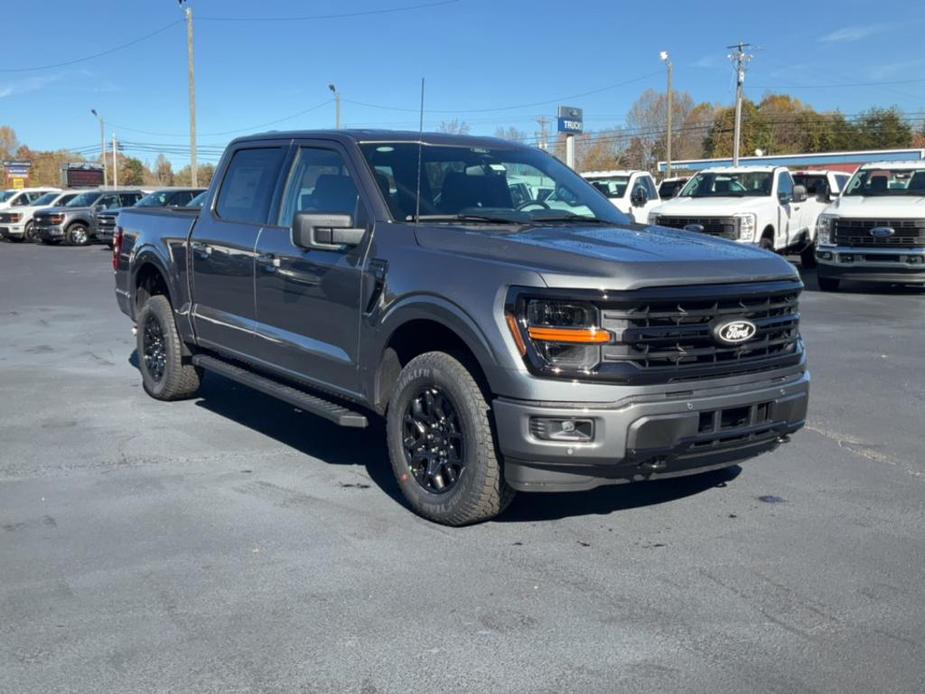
784	184
247	188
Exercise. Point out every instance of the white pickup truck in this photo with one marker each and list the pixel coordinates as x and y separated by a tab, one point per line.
875	230
16	222
750	204
632	192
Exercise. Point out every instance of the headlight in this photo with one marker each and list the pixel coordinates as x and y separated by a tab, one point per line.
825	227
746	226
564	335
56	218
13	218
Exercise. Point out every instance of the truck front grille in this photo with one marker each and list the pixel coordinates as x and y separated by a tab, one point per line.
907	233
724	227
666	335
106	222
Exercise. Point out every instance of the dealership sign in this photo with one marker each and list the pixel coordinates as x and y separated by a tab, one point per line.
571	120
17	172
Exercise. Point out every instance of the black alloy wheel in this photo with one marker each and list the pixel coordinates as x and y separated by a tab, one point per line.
155	352
433	441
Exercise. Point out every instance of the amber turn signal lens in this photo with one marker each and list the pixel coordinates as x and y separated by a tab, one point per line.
515	333
585	336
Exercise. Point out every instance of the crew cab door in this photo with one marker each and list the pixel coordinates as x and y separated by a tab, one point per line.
223	247
789	213
643	197
309	299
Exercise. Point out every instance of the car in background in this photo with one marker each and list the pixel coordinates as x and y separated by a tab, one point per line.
670	187
16	223
75	222
105	223
632	192
199	200
23	196
757	205
875	230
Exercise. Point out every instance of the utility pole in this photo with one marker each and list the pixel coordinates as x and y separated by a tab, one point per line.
543	121
102	145
667	60
740	58
115	164
191	76
337	103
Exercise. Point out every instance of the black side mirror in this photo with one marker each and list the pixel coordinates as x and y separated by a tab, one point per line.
639	197
799	193
325	232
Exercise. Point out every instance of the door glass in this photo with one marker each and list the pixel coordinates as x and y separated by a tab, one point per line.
319	182
785	185
107	202
247	189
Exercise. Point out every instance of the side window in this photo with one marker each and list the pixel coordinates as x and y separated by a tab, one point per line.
20	200
320	182
247	188
784	184
107	202
128	199
650	187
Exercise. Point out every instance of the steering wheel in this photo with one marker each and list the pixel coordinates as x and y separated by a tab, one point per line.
539	203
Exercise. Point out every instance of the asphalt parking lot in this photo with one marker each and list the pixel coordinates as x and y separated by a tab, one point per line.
231	544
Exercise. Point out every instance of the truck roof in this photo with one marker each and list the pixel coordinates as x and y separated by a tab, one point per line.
613	172
378	135
909	164
741	169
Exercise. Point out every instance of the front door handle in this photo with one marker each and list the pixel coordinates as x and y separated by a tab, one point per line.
201	248
269	260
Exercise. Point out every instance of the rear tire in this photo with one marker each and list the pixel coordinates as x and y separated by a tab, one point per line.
828	284
78	234
164	374
441	444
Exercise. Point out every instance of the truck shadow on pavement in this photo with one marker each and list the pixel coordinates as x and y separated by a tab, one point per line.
850	287
318	438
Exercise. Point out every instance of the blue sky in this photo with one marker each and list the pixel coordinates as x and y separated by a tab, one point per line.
488	62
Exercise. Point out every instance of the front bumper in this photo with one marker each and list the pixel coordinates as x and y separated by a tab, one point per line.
12	231
648	437
902	265
49	232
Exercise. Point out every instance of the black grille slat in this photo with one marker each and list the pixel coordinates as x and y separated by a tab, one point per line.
663	339
909	233
724	227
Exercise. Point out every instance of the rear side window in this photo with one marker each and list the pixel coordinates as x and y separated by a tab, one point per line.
247	189
129	199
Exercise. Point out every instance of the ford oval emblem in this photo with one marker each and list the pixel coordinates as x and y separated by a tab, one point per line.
694	227
882	232
735	332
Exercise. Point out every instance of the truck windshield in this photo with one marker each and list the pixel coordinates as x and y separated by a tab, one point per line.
725	184
158	199
46	199
880	182
480	185
612	186
6	195
84	199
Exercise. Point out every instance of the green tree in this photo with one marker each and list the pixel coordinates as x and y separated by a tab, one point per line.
882	128
131	172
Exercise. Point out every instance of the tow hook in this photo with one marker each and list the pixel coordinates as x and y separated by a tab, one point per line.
654	465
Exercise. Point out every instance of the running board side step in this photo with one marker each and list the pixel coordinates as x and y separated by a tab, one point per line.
297	398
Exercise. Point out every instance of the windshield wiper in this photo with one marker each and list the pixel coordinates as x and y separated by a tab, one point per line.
485	218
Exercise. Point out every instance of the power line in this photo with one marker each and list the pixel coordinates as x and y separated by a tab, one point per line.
340	15
100	54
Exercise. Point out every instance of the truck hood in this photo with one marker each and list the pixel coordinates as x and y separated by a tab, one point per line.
879	207
611	257
711	207
61	210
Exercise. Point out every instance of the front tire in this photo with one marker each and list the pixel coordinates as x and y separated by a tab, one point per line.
441	444
828	284
78	234
164	374
29	233
808	257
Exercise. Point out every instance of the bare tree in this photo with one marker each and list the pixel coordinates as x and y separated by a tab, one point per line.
454	127
511	133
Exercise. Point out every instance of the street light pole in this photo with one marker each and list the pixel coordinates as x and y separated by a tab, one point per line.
667	60
337	103
102	145
191	78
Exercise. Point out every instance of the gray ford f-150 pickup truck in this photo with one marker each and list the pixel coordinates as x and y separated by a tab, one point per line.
543	345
